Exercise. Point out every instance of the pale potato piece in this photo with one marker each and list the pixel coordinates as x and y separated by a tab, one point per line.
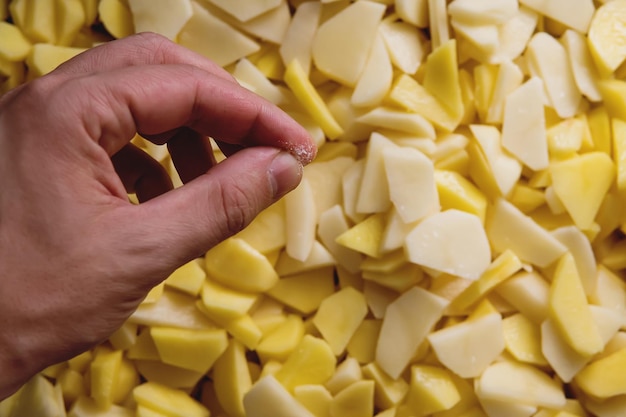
405	44
299	37
249	75
206	34
581	62
245	10
509	78
374	188
342	43
548	59
480	339
300	217
576	14
405	326
452	241
518	383
149	16
411	178
578	244
509	228
477	12
375	80
413	11
523	126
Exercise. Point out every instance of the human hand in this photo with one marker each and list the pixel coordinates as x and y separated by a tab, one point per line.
76	257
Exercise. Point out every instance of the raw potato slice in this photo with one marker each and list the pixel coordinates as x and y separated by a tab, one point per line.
413	11
575	14
14	46
252	78
570	311
523	126
514	34
209	36
509	228
518	383
412	189
390	118
116	17
299	37
342	43
196	350
438	20
481	340
171	309
356	400
374	188
581	62
482	11
232	380
405	326
442	78
606	36
509	78
581	184
235	264
244	10
171	402
315	398
527	292
578	244
548	59
404	43
268	398
375	80
148	16
311	362
432	390
338	317
604	378
506	170
300	221
331	225
297	80
452	241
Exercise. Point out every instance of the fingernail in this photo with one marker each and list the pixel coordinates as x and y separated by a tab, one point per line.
285	173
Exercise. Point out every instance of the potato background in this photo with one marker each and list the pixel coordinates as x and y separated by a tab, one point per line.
456	249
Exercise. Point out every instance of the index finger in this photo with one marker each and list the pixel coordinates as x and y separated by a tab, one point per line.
155	99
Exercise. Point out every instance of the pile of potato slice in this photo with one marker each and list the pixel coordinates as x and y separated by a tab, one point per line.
455	250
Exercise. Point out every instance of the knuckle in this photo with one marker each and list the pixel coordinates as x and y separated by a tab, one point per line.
237	208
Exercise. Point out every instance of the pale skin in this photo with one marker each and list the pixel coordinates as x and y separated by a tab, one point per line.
76	257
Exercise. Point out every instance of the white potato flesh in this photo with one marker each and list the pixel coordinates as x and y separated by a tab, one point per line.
374	188
521	384
480	12
300	216
509	228
406	324
469	347
411	179
523	125
268	398
299	37
575	14
375	80
506	169
209	36
249	75
413	11
548	59
342	43
148	16
389	118
405	44
578	244
581	62
244	10
453	242
509	78
332	224
514	35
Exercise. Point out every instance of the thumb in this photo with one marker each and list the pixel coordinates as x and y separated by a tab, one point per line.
184	223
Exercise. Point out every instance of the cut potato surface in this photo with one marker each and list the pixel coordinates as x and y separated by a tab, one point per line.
456	249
